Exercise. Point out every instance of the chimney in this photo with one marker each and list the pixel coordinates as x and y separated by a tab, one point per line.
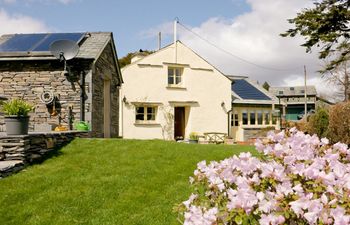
138	55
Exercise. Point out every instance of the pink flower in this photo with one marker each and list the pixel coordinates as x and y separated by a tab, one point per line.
271	219
324	141
242	199
196	216
267	206
190	200
284	189
300	205
342	148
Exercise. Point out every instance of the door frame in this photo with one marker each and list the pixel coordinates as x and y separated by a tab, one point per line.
179	119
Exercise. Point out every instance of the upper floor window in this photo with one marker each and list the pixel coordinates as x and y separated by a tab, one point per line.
302	91
174	76
280	92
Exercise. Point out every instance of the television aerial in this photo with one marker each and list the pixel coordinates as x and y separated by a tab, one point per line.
65	50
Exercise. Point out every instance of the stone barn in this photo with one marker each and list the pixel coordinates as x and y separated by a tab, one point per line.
88	92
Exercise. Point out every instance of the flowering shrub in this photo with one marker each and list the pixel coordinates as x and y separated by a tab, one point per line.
299	179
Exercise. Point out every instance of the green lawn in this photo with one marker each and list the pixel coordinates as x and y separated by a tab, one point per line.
106	181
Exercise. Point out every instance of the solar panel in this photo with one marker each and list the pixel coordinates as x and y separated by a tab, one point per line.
36	42
44	45
247	91
21	42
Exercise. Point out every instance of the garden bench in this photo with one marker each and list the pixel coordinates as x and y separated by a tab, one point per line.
215	137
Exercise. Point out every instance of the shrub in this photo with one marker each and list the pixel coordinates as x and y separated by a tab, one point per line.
193	136
299	179
339	123
16	107
318	123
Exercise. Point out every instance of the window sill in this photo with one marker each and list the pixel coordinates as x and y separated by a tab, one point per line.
175	87
146	123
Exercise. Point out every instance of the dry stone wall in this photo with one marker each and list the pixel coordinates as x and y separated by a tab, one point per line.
18	151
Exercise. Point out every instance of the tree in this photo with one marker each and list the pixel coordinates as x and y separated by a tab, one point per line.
325	26
339	76
266	86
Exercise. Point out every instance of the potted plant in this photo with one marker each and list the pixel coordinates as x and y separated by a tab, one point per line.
193	138
16	116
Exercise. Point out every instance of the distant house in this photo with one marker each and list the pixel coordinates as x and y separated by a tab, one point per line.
171	93
89	92
294	97
253	108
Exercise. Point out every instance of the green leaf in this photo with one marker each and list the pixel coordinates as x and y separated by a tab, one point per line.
238	219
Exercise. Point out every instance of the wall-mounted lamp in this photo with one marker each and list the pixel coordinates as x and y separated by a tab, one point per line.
124	99
222	104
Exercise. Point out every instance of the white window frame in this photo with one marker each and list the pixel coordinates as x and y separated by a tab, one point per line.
175	76
145	113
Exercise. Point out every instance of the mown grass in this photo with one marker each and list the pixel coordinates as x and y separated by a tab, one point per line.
107	181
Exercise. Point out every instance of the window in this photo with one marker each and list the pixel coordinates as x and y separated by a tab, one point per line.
302	91
234	119
280	92
174	75
244	117
260	116
267	117
145	113
291	88
252	118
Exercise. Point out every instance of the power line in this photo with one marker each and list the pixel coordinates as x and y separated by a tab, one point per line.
231	54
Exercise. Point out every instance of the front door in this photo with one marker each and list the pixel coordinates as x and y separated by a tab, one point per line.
179	123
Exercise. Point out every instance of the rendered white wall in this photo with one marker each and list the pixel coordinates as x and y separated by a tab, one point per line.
146	81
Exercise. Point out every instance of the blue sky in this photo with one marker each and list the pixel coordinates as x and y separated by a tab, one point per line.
127	19
247	29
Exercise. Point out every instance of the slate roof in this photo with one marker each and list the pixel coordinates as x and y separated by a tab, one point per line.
89	48
293	91
246	90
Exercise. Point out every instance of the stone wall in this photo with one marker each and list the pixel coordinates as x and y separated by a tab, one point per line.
105	70
28	80
18	151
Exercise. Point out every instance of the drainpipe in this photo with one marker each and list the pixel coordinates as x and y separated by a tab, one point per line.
82	96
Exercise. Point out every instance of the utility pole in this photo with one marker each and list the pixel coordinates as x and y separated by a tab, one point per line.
159	40
305	94
175	39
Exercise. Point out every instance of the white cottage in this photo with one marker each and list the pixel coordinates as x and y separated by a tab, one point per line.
171	93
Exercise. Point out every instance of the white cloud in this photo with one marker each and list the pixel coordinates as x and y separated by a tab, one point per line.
16	23
7	1
254	36
65	2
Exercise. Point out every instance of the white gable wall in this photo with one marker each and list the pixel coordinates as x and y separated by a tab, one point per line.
204	90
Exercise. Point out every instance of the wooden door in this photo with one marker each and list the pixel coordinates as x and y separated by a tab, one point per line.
179	123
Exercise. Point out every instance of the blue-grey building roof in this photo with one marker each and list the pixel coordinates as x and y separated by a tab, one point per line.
36	42
245	90
36	46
